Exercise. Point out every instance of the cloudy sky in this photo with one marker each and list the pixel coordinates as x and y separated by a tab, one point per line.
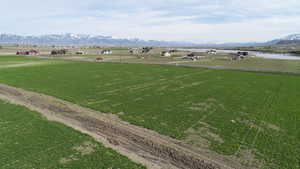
180	20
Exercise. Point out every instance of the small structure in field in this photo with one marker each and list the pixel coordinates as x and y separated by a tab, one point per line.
106	52
146	49
28	53
243	53
80	53
173	51
166	53
212	52
134	51
240	56
99	59
59	52
194	56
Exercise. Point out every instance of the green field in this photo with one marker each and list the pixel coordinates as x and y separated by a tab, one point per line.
30	141
235	111
251	63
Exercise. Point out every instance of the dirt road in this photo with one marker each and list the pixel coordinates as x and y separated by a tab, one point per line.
140	145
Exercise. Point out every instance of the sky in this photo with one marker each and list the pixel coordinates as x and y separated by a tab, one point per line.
201	21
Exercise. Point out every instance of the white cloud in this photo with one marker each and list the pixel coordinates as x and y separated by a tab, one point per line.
190	20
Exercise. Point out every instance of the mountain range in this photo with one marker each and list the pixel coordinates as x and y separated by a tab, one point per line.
293	39
85	39
70	39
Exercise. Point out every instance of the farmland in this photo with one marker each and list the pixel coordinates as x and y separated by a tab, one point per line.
30	141
226	111
251	64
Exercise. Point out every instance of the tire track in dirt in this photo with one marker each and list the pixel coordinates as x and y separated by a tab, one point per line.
138	144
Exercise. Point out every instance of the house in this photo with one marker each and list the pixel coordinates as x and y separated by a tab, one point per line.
166	53
106	52
212	52
30	52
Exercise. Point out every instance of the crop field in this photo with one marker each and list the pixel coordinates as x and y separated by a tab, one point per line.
8	61
251	63
253	116
30	141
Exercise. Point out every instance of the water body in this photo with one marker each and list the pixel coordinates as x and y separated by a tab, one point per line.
286	56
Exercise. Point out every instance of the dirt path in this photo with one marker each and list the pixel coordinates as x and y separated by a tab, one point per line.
140	145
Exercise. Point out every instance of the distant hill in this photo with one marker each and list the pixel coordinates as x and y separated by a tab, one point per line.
70	39
293	39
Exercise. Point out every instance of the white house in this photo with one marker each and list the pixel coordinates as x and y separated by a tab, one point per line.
106	52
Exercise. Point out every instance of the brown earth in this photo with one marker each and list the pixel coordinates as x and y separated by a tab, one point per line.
138	144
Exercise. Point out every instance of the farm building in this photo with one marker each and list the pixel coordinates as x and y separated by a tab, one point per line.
106	52
59	52
240	56
30	52
134	51
146	49
99	59
194	55
166	53
212	52
80	53
243	53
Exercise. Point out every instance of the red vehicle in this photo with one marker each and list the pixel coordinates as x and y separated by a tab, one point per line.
99	59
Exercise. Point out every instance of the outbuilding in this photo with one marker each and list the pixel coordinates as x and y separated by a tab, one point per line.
106	52
166	53
240	56
194	56
211	51
80	53
59	52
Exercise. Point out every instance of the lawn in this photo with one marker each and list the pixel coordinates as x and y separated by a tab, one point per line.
30	141
235	111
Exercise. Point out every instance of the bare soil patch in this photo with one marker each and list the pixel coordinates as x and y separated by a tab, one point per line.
140	145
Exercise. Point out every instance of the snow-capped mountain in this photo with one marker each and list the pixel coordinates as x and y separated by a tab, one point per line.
292	37
86	39
82	39
290	40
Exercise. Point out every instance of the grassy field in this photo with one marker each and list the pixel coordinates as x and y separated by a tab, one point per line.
234	111
30	141
269	49
251	63
12	60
